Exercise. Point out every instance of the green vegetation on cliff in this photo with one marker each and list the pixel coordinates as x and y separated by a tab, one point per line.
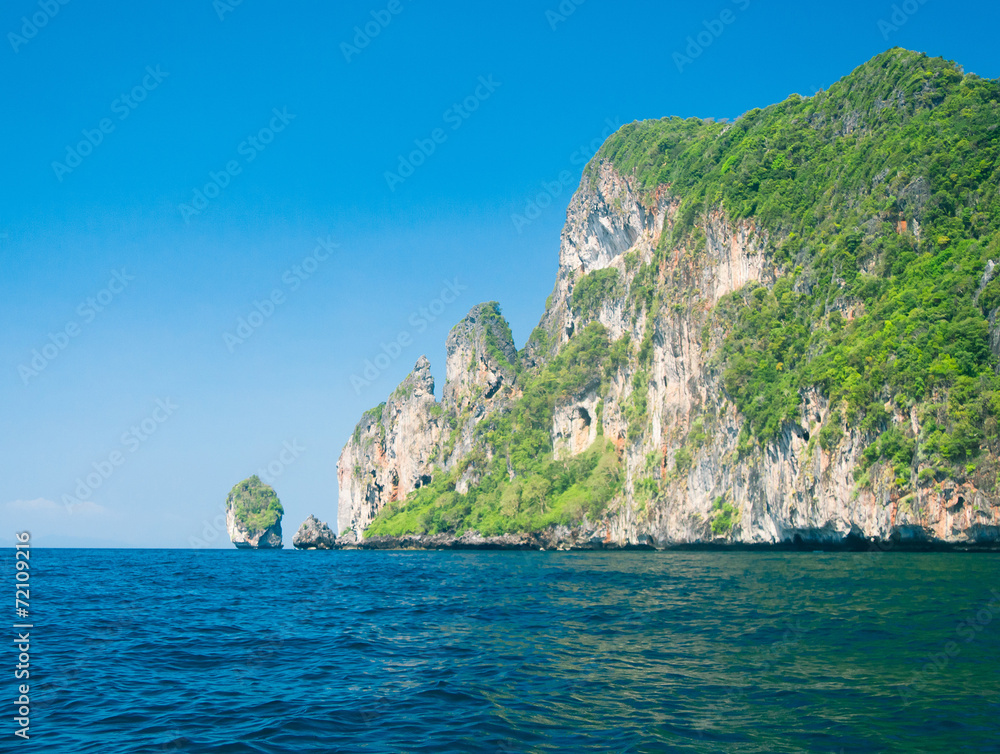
879	204
557	492
522	487
497	333
594	289
255	505
855	149
880	198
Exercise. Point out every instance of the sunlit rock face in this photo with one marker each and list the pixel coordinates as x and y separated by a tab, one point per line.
688	475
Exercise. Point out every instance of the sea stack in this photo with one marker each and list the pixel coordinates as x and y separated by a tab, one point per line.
253	516
314	535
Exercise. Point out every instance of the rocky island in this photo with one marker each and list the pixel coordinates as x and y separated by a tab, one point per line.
778	331
314	535
253	516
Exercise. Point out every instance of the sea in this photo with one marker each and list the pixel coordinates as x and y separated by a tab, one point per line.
319	651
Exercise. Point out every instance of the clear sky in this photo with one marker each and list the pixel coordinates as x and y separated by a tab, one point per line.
169	167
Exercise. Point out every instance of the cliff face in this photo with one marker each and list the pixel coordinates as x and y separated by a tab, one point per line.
391	451
406	442
792	489
253	539
675	287
481	358
605	221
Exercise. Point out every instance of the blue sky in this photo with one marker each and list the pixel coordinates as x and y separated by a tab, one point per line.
116	298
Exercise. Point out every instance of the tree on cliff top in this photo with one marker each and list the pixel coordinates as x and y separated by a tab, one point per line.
255	504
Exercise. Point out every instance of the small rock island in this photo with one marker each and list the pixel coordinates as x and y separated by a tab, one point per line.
253	516
314	535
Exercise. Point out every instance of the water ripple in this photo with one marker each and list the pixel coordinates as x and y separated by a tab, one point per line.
177	651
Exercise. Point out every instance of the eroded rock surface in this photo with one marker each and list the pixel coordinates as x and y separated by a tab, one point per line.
313	534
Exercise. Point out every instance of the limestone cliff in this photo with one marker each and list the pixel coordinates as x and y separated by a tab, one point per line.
651	347
401	445
792	489
391	451
481	358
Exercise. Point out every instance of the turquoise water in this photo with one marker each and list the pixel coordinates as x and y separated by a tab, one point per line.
232	651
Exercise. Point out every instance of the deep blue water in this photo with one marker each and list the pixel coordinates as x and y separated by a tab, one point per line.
230	651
